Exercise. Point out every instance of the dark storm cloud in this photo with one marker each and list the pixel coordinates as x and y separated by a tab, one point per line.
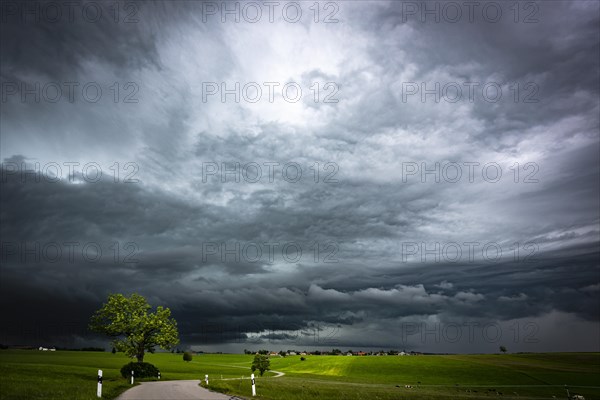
173	229
59	50
544	53
177	274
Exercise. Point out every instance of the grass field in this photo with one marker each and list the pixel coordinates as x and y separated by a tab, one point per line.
66	375
72	375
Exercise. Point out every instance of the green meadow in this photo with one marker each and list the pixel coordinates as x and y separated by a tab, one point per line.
32	374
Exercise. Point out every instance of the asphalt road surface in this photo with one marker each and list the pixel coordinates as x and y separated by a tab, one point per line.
172	390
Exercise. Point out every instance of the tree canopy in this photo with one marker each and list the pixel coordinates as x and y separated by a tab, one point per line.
133	327
261	363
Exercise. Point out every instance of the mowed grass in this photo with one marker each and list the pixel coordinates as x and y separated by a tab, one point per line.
66	375
26	374
535	376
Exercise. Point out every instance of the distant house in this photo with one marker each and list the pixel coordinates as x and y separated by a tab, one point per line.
303	353
292	353
273	353
349	354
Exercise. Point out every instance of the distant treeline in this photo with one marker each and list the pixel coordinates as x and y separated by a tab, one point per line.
83	349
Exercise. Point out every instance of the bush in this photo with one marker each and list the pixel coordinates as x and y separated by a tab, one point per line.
302	358
187	356
140	370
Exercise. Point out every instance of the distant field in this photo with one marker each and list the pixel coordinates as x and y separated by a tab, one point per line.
432	377
72	375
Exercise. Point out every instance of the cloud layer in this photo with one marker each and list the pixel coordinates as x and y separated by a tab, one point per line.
363	220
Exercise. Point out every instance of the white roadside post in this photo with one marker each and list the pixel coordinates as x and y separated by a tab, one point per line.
132	377
99	390
253	385
206	379
158	374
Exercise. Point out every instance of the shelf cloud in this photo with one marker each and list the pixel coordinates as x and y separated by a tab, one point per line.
374	174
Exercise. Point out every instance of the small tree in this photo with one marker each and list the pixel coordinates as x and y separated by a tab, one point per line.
187	356
503	349
113	350
135	330
261	363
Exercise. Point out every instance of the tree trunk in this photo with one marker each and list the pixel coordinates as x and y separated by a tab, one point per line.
140	354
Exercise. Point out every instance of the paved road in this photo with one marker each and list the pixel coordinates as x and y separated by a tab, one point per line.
171	390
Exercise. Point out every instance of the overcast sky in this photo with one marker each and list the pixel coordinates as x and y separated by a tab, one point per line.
406	175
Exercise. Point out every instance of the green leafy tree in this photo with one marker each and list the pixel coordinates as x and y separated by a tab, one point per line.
503	349
133	327
261	363
187	356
